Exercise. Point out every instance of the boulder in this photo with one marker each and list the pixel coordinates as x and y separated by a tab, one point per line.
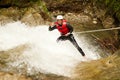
12	76
32	17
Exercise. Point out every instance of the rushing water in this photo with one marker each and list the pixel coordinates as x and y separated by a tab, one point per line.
45	54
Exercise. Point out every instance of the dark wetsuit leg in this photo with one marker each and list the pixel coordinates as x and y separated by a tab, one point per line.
62	38
71	38
73	41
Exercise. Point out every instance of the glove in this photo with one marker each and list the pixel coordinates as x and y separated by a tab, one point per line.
51	24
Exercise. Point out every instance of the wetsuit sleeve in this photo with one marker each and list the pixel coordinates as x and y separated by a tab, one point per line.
52	28
70	27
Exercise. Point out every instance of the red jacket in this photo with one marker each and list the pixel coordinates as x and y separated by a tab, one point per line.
62	29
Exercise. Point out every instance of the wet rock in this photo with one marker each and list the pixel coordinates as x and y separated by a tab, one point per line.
12	76
102	69
5	19
11	55
11	12
29	16
32	17
42	76
9	15
35	14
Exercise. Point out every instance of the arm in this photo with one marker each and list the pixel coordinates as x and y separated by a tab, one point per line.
52	28
70	27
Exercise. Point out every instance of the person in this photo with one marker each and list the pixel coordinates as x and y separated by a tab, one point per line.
65	30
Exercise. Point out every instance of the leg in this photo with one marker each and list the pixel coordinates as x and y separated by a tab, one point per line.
62	38
73	41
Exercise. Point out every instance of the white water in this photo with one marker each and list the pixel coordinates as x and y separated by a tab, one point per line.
45	54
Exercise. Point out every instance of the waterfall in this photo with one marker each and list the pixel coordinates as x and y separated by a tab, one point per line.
44	53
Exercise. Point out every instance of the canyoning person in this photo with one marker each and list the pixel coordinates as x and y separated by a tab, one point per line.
65	30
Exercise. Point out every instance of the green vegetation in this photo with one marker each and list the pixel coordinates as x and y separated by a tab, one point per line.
112	6
43	10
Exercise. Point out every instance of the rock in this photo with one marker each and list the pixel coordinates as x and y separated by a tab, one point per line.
11	12
38	18
5	19
32	17
108	22
11	55
28	16
12	76
81	18
9	15
102	69
94	21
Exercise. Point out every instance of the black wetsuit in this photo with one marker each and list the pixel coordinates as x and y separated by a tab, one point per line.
69	37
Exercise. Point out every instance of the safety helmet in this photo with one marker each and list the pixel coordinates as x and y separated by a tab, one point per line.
59	17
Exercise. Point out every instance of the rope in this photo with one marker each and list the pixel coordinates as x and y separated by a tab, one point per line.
99	30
